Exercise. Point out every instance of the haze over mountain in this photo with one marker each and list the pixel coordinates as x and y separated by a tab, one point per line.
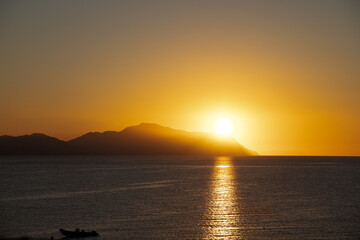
143	139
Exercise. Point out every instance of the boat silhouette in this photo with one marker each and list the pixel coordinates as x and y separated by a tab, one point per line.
77	233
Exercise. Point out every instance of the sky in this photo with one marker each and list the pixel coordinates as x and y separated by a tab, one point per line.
287	73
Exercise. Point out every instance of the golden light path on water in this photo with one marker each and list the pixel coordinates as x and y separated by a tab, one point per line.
223	218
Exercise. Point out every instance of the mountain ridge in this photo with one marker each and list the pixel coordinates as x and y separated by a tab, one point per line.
142	139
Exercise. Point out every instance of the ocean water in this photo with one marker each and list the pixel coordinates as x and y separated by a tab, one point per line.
181	197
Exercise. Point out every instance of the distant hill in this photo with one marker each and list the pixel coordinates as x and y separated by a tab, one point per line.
34	144
143	139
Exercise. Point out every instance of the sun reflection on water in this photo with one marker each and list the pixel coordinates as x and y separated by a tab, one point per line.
223	218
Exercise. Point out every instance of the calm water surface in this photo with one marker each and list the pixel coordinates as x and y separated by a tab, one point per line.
181	198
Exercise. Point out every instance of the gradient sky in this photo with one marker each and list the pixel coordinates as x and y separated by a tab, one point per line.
286	72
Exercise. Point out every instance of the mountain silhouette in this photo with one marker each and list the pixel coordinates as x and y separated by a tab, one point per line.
143	139
34	144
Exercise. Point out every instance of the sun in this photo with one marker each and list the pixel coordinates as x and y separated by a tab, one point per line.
223	126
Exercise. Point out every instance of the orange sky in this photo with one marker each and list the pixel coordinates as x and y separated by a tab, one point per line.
287	73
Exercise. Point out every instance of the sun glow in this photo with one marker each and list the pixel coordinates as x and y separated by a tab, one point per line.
223	126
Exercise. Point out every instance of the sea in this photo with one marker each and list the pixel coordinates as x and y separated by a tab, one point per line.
134	197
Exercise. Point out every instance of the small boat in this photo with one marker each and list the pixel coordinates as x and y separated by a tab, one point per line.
78	234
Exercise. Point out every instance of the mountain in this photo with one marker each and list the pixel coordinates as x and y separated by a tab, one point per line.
34	144
143	139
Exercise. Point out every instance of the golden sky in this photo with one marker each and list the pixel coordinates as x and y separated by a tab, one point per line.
286	72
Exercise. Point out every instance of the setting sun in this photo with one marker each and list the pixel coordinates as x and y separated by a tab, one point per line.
185	119
223	126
